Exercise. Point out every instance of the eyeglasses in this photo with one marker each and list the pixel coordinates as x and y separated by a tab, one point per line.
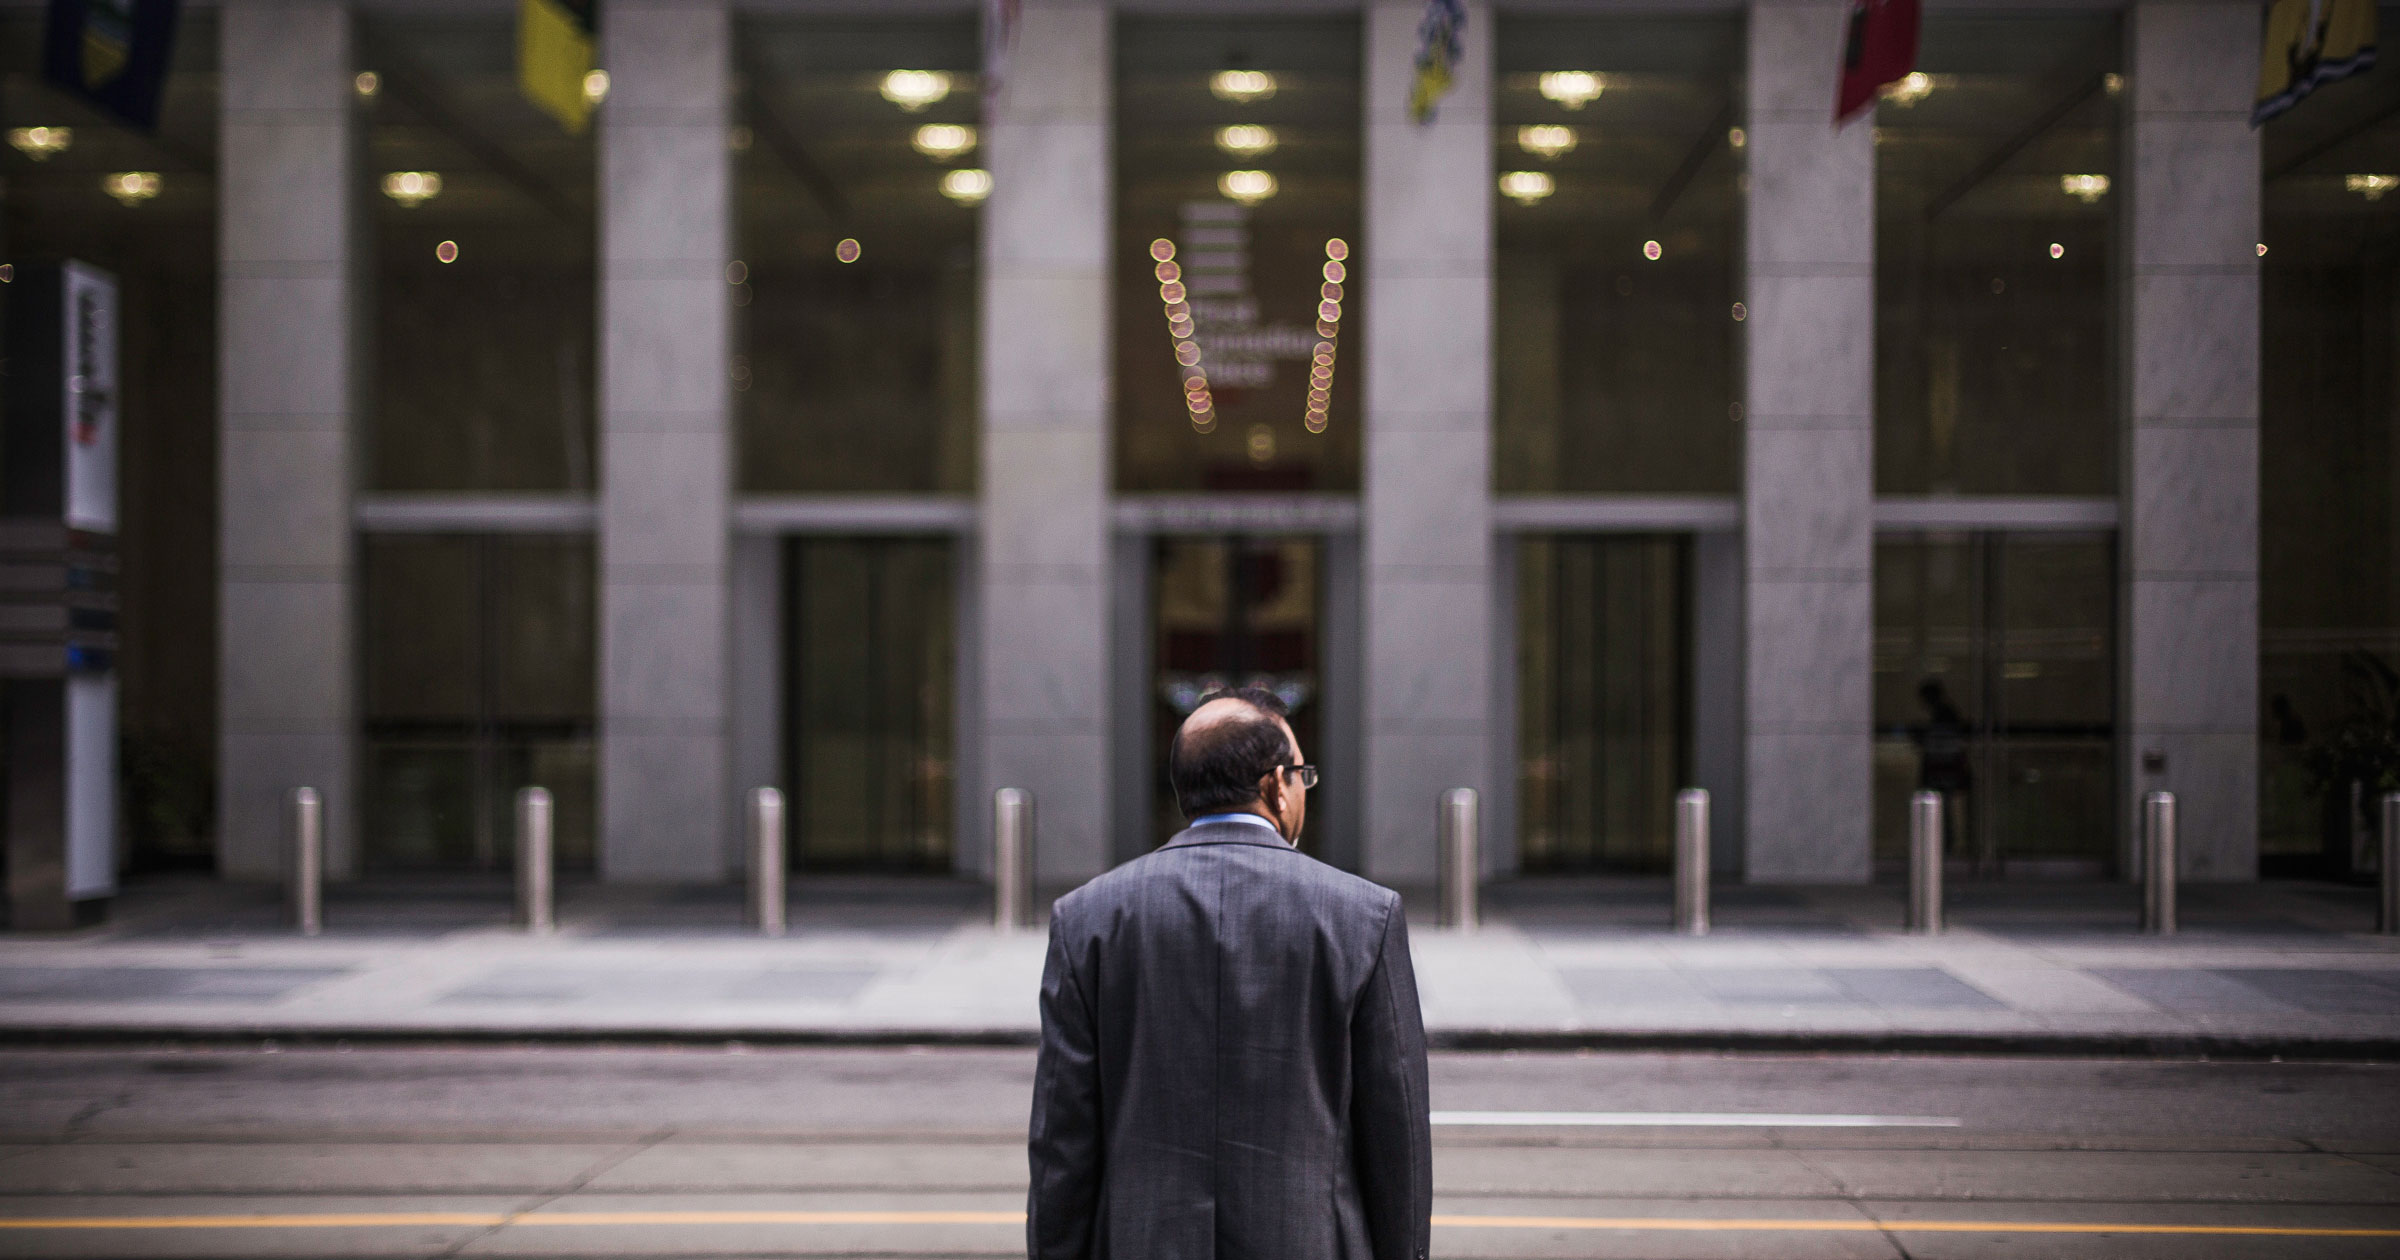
1308	774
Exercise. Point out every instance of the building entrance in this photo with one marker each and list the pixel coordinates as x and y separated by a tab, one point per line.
869	727
1995	683
1232	612
1603	700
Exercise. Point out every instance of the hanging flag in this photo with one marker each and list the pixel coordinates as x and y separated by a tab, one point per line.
1880	48
555	41
2310	43
1440	43
999	39
113	53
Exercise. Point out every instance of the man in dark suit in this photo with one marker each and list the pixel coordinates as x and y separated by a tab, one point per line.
1233	1059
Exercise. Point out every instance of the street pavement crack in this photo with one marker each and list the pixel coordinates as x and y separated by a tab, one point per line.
582	1179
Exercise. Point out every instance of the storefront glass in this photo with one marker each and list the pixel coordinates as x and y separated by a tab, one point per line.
1996	193
156	233
1603	701
2329	575
1618	217
482	248
859	170
1236	294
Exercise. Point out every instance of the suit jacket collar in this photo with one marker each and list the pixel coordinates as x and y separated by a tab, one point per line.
1227	833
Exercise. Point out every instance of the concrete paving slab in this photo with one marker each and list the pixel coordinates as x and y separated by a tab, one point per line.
782	1238
1923	1245
1653	1171
412	1239
1538	1242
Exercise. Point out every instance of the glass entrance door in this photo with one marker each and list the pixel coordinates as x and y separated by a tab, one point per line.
1232	612
1995	683
1603	700
869	687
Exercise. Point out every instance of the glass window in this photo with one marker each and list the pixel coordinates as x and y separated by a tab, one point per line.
1995	684
873	653
1236	298
859	168
479	681
483	267
1619	241
1995	213
1603	687
2329	591
158	236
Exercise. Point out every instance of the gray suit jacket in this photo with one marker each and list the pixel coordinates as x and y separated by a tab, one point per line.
1232	1063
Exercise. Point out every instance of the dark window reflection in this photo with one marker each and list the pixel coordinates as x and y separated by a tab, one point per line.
1619	221
1603	716
1995	684
162	249
2329	679
1996	189
478	659
1238	142
482	364
870	724
860	166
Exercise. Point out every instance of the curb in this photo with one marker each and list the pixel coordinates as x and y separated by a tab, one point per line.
2203	1046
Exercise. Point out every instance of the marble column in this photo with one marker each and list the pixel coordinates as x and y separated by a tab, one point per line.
665	325
287	294
1043	545
2190	490
1426	266
1808	481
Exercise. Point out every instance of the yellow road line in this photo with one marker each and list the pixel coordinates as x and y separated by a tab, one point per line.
377	1220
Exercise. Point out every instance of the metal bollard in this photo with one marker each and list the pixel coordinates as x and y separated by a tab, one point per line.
1691	861
536	909
1012	858
2158	864
1925	862
767	881
2387	918
304	870
1459	831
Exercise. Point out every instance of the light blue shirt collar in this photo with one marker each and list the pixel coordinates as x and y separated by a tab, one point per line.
1252	819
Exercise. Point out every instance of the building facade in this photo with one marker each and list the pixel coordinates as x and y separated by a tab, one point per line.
870	407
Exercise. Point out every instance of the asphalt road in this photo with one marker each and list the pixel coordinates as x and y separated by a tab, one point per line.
726	1152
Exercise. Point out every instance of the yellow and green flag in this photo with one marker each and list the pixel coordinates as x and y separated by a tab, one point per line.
2310	43
555	43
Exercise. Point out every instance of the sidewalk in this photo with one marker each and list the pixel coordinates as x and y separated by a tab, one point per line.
2283	968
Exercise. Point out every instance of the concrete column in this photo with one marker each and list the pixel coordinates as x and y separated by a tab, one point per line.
2190	506
1808	481
1044	552
1427	268
287	296
665	237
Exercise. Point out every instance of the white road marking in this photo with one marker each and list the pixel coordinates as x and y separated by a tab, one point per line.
1690	1120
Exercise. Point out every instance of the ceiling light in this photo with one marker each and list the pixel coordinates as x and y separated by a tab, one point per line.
1247	140
1242	86
41	143
412	188
367	84
913	90
943	141
1527	187
131	187
595	87
2084	188
2371	187
1546	142
1909	88
1247	187
967	186
1572	88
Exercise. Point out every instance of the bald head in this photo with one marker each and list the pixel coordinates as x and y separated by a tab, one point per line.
1225	747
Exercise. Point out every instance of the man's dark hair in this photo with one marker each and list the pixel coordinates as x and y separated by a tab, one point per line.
1219	767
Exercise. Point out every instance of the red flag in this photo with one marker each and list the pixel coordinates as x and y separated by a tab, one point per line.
1880	48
